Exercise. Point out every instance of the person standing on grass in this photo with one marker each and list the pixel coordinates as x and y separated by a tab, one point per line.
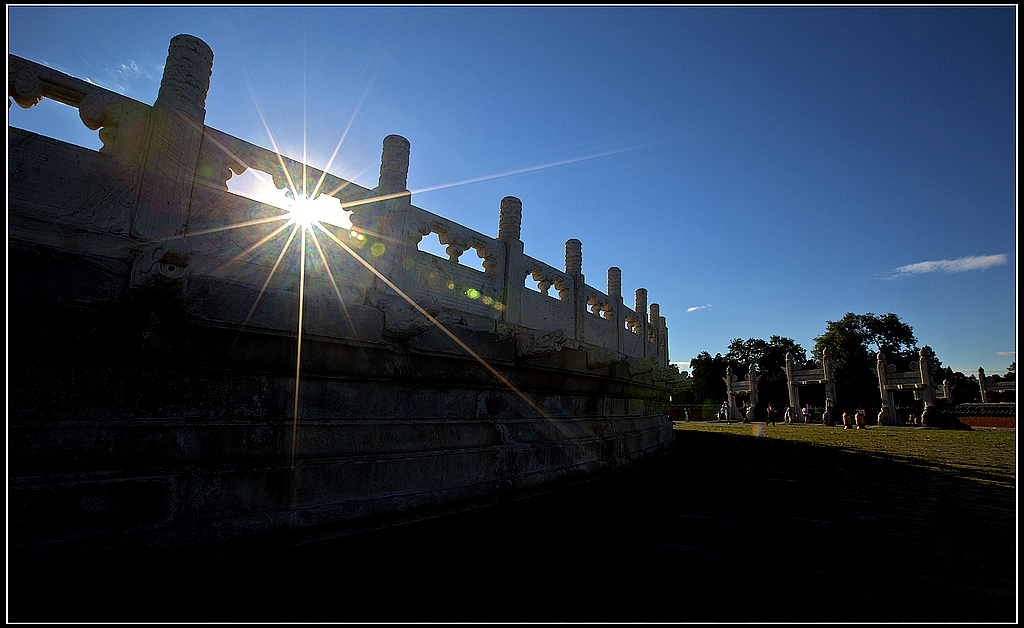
806	411
771	415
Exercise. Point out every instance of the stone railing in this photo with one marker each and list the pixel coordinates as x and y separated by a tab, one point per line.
159	183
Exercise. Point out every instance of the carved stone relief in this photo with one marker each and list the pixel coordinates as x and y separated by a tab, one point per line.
600	357
403	320
639	366
532	343
160	272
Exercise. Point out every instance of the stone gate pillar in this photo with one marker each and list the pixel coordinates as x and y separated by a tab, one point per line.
752	379
830	378
794	393
730	393
928	392
886	414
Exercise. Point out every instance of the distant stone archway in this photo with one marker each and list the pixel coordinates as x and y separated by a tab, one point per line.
734	388
918	380
990	384
805	377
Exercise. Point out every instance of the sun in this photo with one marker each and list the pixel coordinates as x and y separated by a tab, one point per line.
300	209
309	212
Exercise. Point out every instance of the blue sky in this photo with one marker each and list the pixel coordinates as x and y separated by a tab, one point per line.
760	170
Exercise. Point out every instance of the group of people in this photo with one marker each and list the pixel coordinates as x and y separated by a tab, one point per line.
790	415
724	414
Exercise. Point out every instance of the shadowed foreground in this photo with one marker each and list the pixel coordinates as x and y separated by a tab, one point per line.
725	529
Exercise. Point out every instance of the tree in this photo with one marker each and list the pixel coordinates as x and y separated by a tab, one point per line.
770	358
849	341
708	377
892	337
964	388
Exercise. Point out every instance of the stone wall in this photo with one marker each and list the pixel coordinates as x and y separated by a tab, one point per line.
176	381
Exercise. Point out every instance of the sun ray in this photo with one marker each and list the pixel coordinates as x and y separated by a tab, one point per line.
374	199
334	283
236	225
344	134
252	248
501	378
349	205
298	350
280	157
263	289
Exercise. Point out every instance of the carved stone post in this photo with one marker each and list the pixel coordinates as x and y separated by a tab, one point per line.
981	384
391	187
169	164
653	325
394	165
176	136
384	221
574	268
615	292
640	306
510	218
663	334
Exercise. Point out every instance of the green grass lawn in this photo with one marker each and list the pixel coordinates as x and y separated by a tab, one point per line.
980	454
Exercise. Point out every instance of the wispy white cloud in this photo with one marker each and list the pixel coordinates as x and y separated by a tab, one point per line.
698	307
1005	353
130	79
132	69
959	265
